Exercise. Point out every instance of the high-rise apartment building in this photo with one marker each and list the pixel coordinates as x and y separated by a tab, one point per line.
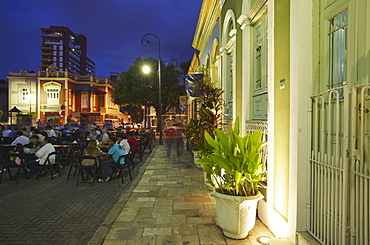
65	50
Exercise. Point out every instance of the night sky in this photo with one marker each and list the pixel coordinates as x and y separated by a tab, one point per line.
113	29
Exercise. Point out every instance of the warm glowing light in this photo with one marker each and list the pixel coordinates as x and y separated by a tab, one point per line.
264	239
146	69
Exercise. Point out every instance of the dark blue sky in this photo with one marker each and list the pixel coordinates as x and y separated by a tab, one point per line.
113	29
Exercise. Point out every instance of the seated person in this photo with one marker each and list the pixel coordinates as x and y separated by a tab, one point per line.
93	151
21	139
109	167
41	137
145	142
104	137
34	142
93	135
42	154
50	132
133	142
122	140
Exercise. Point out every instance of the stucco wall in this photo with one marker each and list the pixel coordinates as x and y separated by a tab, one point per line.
281	106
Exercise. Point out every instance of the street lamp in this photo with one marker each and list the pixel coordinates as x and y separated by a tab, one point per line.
145	40
29	96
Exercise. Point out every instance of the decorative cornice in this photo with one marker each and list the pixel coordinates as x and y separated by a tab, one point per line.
243	21
208	16
258	9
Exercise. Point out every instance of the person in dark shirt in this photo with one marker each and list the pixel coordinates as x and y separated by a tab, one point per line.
34	142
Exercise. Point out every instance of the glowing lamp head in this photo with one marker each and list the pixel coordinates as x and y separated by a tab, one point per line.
146	69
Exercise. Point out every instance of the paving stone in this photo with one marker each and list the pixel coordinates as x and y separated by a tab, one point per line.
171	219
144	223
190	240
210	235
163	201
144	212
157	231
187	205
169	240
125	233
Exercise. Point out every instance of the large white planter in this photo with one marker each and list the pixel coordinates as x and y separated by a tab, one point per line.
236	215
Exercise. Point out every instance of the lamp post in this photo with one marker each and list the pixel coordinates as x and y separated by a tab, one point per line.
146	41
144	121
29	96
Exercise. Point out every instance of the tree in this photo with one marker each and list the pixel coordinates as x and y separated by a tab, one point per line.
136	88
135	112
185	66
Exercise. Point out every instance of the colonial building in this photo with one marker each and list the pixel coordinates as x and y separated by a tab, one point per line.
61	94
298	70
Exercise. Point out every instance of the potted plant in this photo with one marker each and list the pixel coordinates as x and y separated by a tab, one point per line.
234	168
208	114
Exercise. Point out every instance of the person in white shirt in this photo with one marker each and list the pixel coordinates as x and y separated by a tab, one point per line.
122	140
21	139
49	130
42	154
41	137
6	132
104	137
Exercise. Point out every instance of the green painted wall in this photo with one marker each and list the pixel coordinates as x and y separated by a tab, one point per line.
281	106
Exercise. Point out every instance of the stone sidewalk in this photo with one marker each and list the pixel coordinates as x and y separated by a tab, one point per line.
168	203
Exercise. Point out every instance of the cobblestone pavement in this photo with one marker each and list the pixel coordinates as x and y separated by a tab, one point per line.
56	211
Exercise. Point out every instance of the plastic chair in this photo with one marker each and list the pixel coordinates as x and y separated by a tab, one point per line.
92	170
48	166
7	164
128	157
75	161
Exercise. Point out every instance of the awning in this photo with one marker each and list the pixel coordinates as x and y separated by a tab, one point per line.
88	88
15	109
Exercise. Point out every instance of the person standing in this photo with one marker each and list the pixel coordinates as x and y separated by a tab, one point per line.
39	123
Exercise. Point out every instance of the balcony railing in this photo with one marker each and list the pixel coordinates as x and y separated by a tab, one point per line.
252	126
50	108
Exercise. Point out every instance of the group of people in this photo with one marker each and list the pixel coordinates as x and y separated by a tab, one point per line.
106	147
114	148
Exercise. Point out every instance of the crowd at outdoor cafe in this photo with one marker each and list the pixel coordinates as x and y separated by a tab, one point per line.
95	153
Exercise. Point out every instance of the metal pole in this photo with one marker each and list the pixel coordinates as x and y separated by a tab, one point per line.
147	42
29	96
